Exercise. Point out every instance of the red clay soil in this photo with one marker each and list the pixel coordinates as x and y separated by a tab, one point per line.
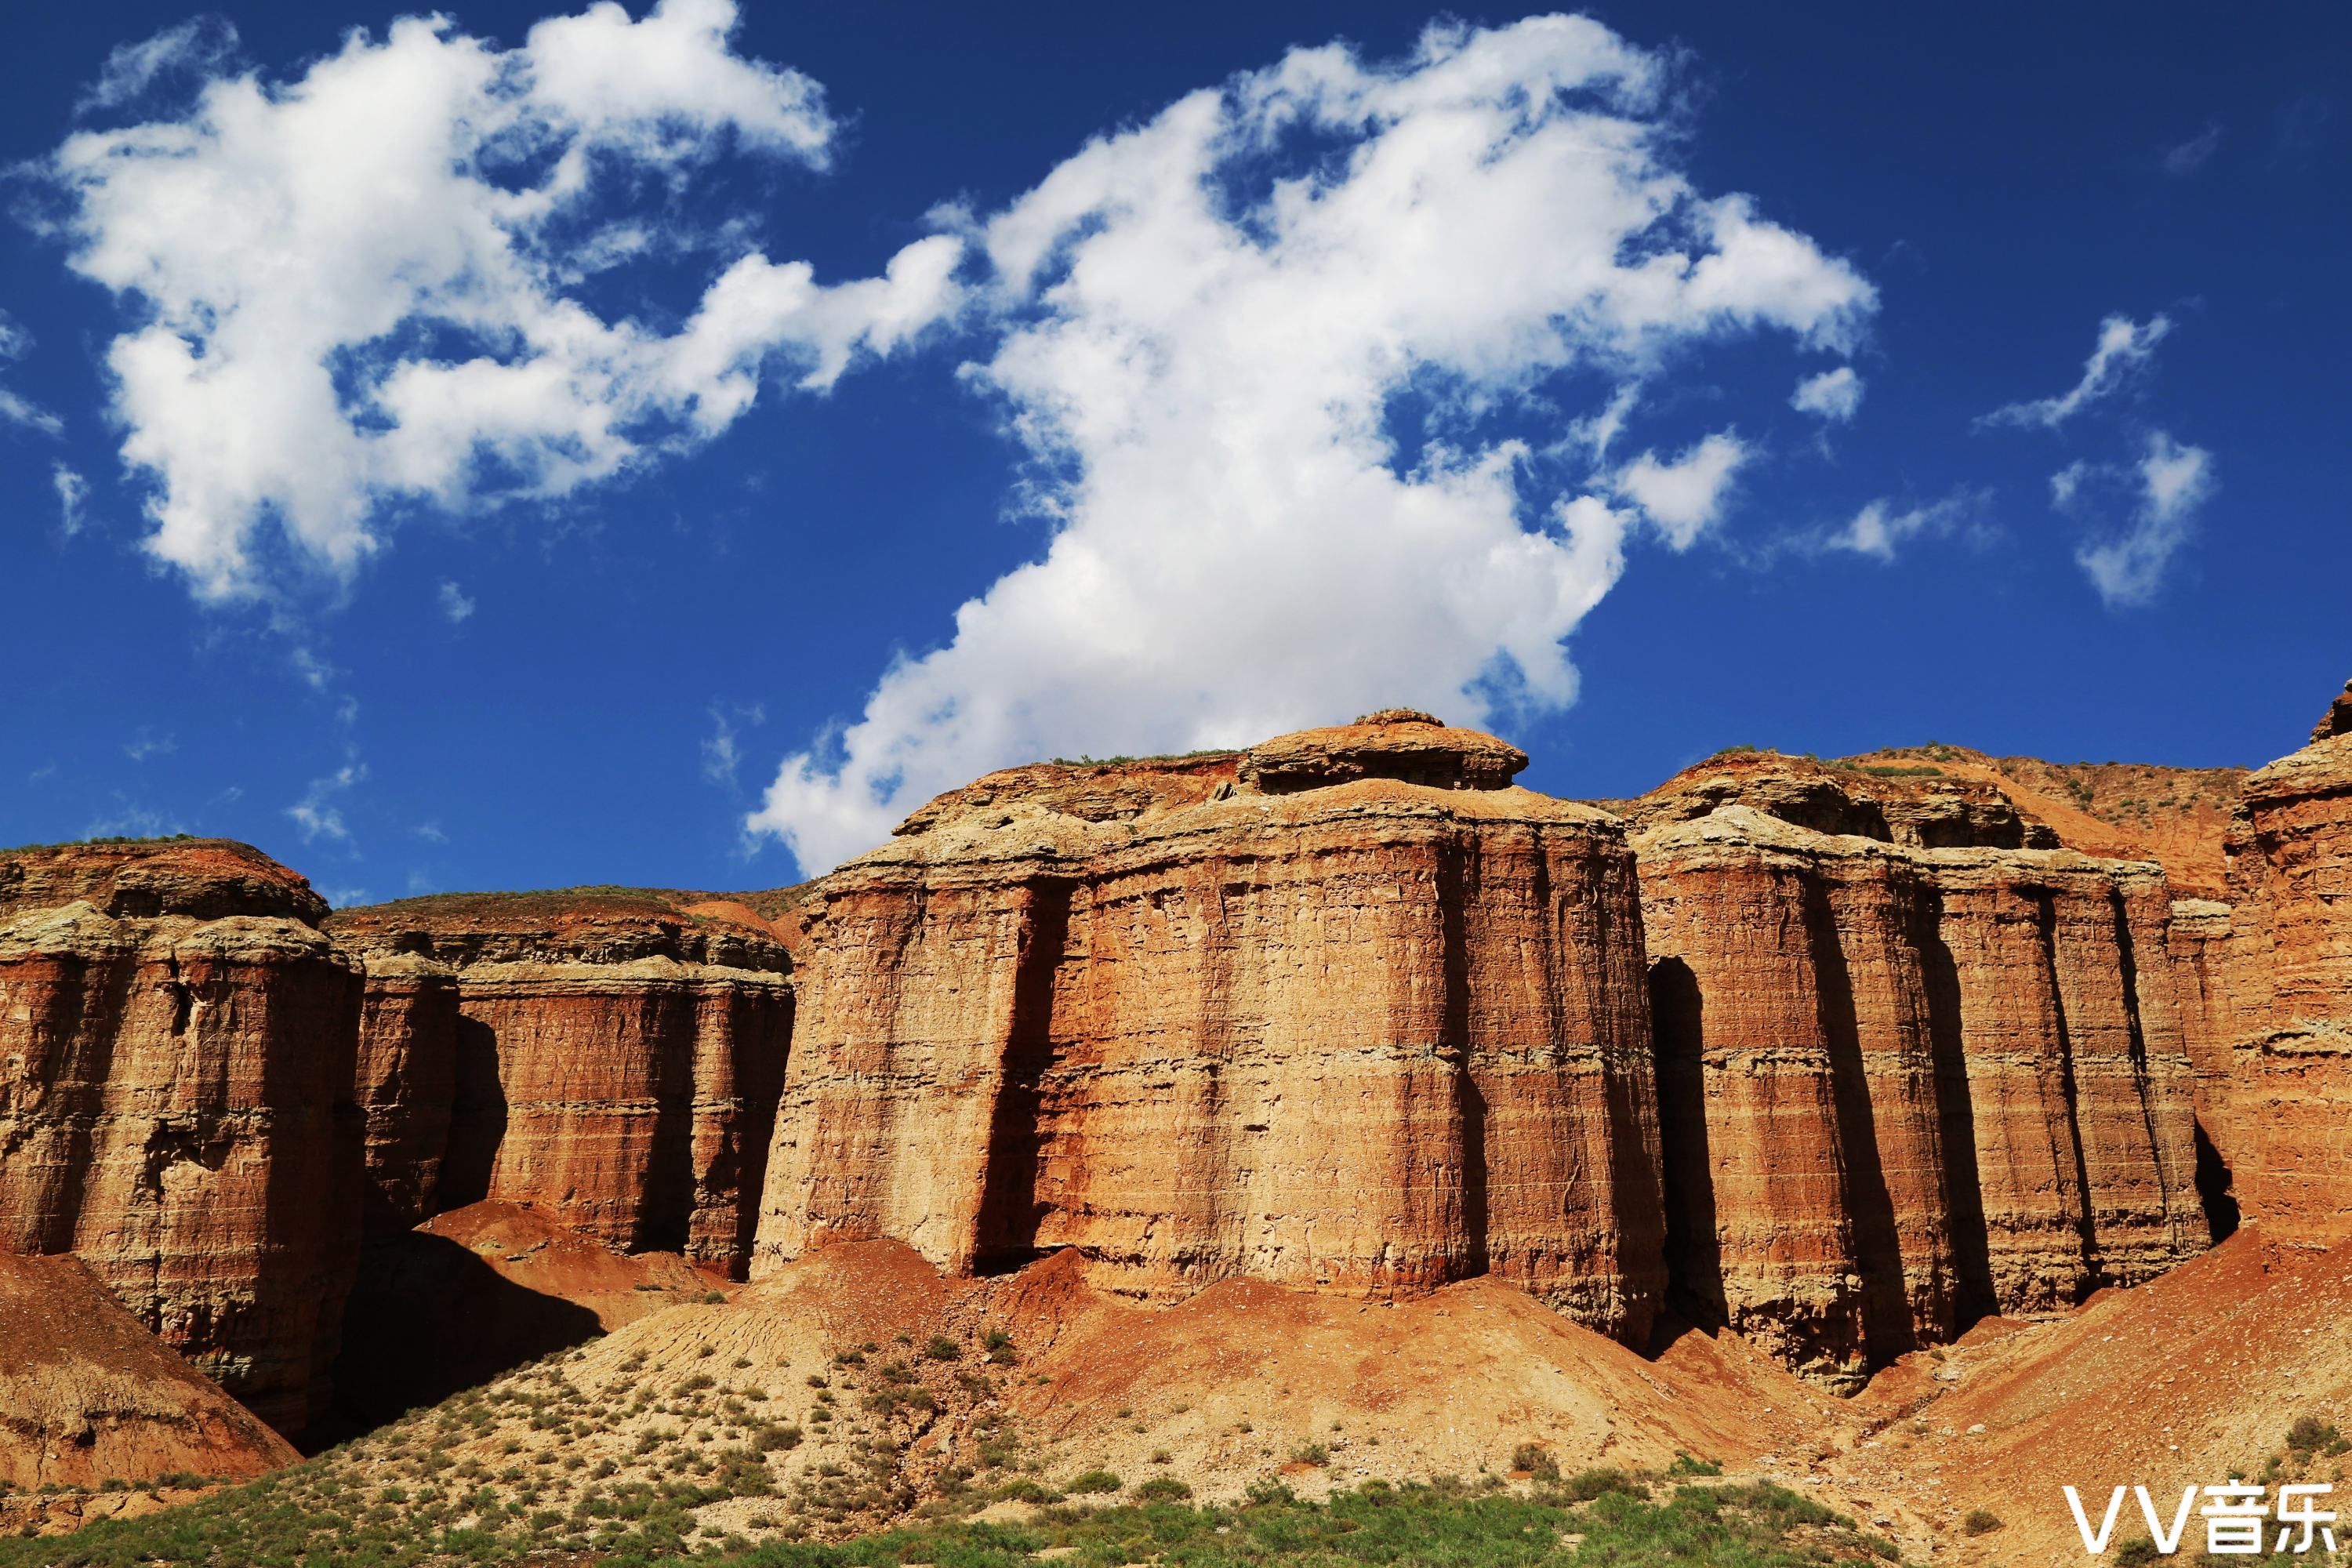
2129	811
87	1394
2191	1378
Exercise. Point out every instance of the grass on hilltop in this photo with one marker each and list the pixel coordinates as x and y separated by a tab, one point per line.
1599	1519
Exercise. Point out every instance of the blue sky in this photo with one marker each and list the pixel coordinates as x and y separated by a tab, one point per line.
663	446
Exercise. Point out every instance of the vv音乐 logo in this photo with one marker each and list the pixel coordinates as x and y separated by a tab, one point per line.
2236	1515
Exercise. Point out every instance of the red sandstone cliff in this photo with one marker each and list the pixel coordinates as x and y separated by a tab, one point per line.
1901	1087
2291	873
602	1054
175	1068
1285	1015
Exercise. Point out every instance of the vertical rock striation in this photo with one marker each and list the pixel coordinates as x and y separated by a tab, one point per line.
604	1056
176	1044
1904	1081
2291	875
1346	1011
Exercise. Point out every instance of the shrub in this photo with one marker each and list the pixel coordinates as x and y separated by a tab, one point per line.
1586	1484
1026	1490
2309	1433
942	1348
768	1438
1980	1521
1537	1460
714	1298
2136	1553
695	1384
1162	1488
1685	1465
1095	1481
1000	1348
1311	1454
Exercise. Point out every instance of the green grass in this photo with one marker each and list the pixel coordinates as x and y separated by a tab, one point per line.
1448	1524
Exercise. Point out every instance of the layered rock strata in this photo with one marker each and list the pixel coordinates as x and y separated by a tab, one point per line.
1900	1087
1371	1035
606	1056
175	1103
2291	870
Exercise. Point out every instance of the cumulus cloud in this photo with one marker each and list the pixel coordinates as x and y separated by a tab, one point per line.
1683	496
2124	349
73	496
1834	395
317	814
15	408
2172	482
455	605
195	46
362	286
1204	325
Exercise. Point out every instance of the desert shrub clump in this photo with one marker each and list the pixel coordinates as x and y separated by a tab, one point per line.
1980	1521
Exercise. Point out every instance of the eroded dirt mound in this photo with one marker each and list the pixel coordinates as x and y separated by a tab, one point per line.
478	1290
87	1395
2193	1379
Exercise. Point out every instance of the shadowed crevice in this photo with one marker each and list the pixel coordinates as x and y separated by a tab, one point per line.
1693	1253
1973	1296
1006	1231
1887	1328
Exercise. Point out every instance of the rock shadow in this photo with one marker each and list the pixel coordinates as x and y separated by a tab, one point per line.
1694	1252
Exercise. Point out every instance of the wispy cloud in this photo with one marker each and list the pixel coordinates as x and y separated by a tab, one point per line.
15	408
2188	157
2124	349
146	744
722	749
195	46
455	603
2172	482
73	495
1881	529
317	814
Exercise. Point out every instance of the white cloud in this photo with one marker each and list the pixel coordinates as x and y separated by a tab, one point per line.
2124	348
1683	496
1204	320
2173	482
146	744
722	752
16	342
360	286
199	45
317	814
1834	395
430	832
455	603
2194	154
73	496
1880	528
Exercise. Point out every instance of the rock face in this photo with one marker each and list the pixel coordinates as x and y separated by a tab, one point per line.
603	1054
1902	1086
176	1050
2338	720
87	1395
1373	1034
2291	869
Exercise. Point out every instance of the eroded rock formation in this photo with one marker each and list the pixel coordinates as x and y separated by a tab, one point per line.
1369	1033
2291	870
176	1046
605	1055
1902	1087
